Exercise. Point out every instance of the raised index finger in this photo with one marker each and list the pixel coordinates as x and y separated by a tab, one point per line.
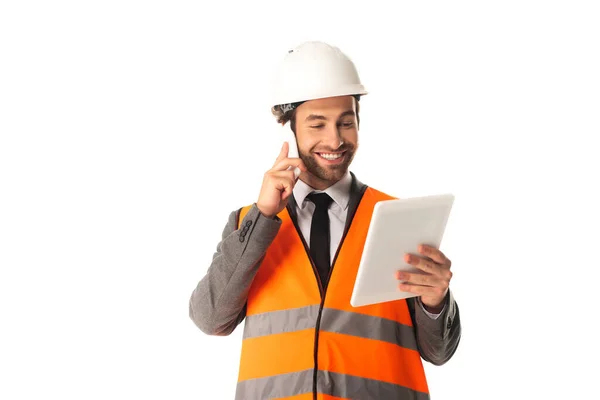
285	148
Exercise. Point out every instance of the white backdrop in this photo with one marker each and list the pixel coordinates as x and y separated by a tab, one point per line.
130	129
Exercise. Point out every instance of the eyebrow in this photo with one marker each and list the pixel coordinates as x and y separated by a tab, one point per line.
313	117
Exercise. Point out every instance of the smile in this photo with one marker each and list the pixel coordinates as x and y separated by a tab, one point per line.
330	156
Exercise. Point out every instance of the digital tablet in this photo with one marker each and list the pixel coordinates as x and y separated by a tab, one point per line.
397	227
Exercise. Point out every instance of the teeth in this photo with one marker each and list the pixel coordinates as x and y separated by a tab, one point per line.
329	156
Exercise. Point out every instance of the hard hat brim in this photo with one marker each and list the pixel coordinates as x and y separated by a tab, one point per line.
351	90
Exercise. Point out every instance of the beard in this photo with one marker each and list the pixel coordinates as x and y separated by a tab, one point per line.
330	173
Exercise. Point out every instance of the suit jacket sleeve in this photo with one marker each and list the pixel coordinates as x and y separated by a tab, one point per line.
437	339
217	304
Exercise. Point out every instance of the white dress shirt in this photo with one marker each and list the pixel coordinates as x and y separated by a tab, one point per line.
338	210
340	193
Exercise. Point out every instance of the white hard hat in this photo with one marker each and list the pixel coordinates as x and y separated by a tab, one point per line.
315	70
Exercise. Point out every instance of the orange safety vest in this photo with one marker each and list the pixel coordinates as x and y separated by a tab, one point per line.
298	344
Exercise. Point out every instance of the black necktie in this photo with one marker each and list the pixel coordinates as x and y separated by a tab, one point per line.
319	235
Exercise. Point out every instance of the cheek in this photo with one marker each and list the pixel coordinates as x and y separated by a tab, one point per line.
350	136
305	143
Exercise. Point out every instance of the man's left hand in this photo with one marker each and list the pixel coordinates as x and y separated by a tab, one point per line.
433	285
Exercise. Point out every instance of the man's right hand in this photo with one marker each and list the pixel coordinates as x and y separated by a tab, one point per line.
278	183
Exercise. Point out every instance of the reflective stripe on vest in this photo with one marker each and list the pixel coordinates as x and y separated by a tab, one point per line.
297	346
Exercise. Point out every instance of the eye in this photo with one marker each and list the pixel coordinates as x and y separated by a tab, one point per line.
317	126
347	124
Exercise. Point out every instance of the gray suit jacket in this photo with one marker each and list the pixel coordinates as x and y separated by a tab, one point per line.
218	303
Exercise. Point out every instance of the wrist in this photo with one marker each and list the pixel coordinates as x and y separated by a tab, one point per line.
264	213
435	305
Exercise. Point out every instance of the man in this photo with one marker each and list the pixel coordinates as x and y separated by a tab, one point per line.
287	263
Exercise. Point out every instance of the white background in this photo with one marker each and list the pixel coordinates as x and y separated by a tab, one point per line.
129	131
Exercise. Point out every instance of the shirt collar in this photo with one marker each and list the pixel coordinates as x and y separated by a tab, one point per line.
339	191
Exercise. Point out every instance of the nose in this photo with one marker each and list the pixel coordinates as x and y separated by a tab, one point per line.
332	138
